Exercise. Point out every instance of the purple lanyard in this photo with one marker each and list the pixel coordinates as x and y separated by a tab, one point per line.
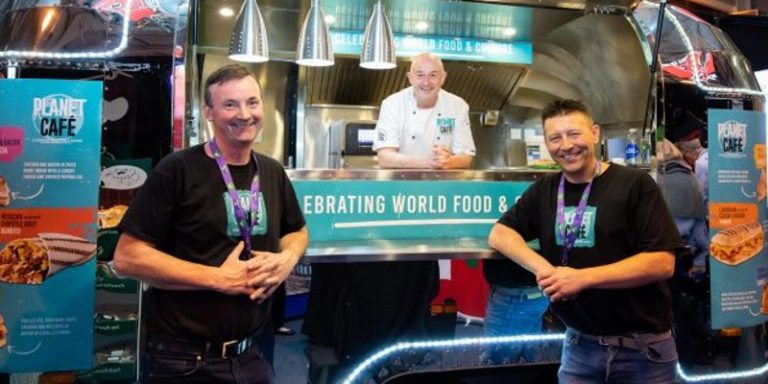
570	239
245	225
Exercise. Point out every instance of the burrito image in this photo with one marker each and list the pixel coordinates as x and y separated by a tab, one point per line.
110	217
759	156
32	260
3	333
735	245
5	192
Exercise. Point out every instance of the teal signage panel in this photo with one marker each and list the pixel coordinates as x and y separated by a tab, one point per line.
364	209
350	42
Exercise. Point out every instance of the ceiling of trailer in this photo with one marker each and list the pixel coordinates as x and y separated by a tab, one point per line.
587	55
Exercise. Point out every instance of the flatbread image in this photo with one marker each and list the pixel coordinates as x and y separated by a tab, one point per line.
764	301
110	217
735	245
3	333
761	186
32	260
5	193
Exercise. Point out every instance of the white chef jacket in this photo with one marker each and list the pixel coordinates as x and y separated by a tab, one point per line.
414	131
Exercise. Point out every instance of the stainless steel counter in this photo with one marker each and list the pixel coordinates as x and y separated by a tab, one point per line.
397	250
494	174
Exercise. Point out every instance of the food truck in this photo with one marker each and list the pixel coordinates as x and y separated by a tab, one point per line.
506	59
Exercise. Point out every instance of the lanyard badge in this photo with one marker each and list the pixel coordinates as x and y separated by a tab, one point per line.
569	238
245	224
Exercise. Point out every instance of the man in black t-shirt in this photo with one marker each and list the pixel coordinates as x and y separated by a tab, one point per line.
213	232
607	244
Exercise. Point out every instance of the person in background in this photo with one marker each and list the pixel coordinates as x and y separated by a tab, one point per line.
691	130
214	231
355	309
607	247
424	126
515	305
684	199
278	312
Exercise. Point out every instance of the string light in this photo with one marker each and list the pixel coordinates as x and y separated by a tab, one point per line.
79	55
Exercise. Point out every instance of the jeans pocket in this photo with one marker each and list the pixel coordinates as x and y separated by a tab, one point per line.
163	364
662	352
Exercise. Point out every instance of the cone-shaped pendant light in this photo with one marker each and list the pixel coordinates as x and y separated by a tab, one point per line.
378	45
249	38
315	47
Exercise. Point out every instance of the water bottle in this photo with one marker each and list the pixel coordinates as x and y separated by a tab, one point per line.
632	149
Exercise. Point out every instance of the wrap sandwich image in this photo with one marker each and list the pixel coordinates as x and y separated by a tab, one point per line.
32	260
735	245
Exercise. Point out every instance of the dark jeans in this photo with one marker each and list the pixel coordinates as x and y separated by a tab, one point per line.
164	366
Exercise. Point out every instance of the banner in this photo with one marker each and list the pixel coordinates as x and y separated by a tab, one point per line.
50	139
737	216
365	209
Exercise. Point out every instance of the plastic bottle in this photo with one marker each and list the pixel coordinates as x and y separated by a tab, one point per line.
632	149
645	151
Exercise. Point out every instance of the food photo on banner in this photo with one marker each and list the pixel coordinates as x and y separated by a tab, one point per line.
50	138
737	181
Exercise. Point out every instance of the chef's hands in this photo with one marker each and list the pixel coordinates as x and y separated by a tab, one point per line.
562	283
441	157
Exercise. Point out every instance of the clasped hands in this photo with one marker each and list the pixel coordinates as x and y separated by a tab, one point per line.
257	277
441	157
561	283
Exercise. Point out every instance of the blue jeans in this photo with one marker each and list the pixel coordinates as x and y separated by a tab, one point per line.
514	311
587	360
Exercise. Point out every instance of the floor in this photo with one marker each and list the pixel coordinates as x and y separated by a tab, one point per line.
290	363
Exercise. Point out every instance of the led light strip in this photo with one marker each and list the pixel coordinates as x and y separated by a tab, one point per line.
79	55
695	65
475	341
428	344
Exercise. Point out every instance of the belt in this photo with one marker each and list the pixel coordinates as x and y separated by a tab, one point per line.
638	341
221	350
529	293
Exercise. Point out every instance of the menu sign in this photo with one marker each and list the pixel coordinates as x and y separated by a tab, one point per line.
50	136
738	220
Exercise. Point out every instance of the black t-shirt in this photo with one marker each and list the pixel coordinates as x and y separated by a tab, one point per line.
626	214
184	210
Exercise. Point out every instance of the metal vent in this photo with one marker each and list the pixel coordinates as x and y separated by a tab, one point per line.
483	86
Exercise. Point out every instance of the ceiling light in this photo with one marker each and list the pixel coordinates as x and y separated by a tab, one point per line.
422	26
315	47
226	11
378	44
249	38
509	31
330	19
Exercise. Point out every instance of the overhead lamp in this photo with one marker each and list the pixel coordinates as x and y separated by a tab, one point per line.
378	44
315	47
249	38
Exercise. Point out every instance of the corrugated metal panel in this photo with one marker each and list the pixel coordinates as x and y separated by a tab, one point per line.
483	86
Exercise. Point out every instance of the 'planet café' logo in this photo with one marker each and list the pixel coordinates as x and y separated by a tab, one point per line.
732	138
58	117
